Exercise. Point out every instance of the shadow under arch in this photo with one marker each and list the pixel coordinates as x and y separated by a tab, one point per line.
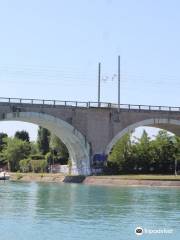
170	125
75	142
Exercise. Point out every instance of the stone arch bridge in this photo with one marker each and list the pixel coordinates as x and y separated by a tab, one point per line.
88	128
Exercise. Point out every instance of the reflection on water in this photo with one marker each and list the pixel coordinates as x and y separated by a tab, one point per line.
70	211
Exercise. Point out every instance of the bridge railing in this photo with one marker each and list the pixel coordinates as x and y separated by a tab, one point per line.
82	104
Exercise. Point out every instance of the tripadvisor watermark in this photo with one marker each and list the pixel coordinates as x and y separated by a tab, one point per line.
140	231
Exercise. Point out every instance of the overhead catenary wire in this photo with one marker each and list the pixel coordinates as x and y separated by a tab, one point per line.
33	75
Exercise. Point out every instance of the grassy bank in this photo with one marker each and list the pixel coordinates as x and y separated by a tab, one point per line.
141	177
135	180
39	177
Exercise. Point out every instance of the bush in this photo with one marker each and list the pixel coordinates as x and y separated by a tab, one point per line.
38	165
25	165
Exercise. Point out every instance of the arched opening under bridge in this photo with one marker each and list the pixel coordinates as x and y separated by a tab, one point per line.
170	125
75	142
129	153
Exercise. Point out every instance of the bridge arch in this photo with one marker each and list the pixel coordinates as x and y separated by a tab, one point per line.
75	142
171	125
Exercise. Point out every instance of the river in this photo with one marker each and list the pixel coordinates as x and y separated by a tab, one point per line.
51	211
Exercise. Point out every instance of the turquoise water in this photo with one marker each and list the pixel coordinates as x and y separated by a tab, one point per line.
69	211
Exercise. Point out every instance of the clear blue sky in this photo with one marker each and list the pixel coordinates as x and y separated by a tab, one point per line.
50	49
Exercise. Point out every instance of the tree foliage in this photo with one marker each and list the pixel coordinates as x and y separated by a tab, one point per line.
22	135
21	154
28	165
25	165
59	149
14	151
145	155
120	153
3	137
38	165
3	142
43	140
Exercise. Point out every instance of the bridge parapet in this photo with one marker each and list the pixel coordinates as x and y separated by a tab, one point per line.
81	104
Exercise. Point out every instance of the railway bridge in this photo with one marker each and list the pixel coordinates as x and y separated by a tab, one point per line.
88	128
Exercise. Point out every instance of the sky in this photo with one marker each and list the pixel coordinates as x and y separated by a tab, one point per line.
50	49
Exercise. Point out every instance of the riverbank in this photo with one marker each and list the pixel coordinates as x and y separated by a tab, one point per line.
120	180
37	177
134	180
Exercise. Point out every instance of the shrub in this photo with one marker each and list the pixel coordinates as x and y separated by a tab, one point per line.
38	165
25	165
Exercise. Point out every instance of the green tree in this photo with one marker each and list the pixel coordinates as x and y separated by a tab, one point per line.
142	153
120	153
25	165
59	149
3	136
23	135
15	151
177	154
49	158
163	148
34	148
3	141
160	155
43	140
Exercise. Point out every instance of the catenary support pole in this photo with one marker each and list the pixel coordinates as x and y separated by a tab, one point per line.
99	84
119	81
